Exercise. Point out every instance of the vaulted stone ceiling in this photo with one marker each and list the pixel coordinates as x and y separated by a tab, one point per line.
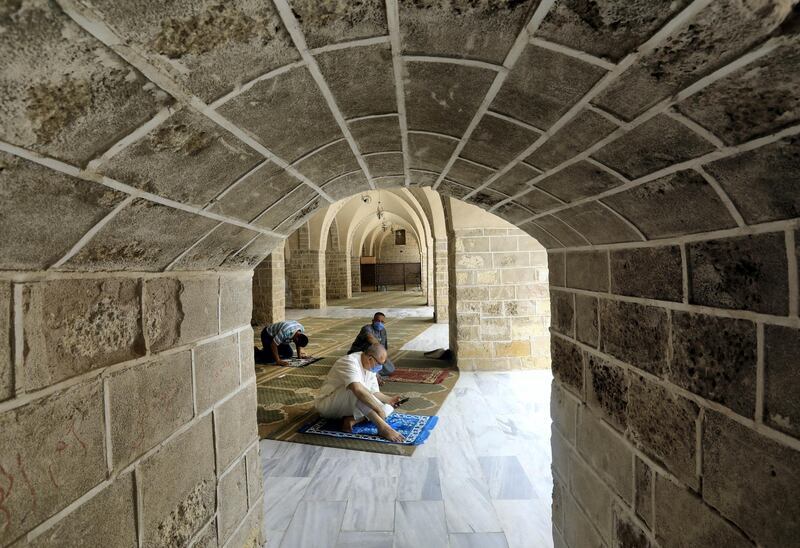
197	134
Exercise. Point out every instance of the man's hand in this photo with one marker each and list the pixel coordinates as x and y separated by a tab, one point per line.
391	434
281	363
301	354
395	401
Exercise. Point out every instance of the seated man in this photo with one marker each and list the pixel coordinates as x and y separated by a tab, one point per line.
350	392
374	333
276	338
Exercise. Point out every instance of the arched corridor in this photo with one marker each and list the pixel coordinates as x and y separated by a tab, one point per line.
164	164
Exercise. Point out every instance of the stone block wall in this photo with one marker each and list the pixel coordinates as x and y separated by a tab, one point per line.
499	300
355	274
269	289
675	413
305	278
440	288
337	275
391	253
127	411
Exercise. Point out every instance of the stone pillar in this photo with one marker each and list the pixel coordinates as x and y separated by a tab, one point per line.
305	275
423	273
355	274
337	272
269	289
440	292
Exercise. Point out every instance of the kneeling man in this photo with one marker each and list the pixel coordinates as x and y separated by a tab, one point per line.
351	392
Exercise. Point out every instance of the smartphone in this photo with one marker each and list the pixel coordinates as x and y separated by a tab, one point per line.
402	401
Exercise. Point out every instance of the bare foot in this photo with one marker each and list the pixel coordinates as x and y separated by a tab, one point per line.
347	424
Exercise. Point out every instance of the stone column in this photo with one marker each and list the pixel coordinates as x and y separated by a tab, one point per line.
269	289
337	268
355	274
305	274
440	295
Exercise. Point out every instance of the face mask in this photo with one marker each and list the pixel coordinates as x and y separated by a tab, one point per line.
377	368
377	325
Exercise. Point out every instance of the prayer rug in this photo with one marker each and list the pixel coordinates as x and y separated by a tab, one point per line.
422	375
297	362
415	429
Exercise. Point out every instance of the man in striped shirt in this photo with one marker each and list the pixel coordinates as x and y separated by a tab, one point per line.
276	339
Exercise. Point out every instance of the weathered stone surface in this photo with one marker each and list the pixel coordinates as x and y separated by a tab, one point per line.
216	371
148	403
495	142
236	303
487	198
715	358
544	238
587	270
627	533
179	487
586	324
567	364
469	174
579	530
760	182
255	193
293	222
423	178
656	144
208	47
563	409
609	29
381	165
583	131
430	152
210	253
250	533
684	520
455	190
361	79
254	253
330	162
562	312
663	425
144	236
598	224
607	390
747	272
428	83
74	326
6	355
636	334
593	496
476	30
768	89
377	134
295	201
232	500
247	364
643	496
236	427
751	480
82	527
556	267
651	272
565	234
53	452
34	199
692	203
513	181
255	482
187	158
537	201
781	379
68	98
718	34
287	113
606	452
513	213
206	538
389	181
347	185
543	85
557	508
578	181
334	22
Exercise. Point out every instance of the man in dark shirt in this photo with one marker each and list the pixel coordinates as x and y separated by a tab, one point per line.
374	333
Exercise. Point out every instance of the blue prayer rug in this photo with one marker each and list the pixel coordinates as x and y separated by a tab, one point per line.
415	429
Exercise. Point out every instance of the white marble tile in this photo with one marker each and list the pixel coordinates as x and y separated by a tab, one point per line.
349	539
506	478
363	514
478	540
526	523
419	480
296	460
436	336
383	488
420	524
458	460
468	507
274	538
315	525
281	497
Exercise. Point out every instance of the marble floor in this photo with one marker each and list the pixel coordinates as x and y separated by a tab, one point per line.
482	480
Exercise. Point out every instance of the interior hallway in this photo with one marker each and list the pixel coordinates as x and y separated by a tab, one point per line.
482	480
